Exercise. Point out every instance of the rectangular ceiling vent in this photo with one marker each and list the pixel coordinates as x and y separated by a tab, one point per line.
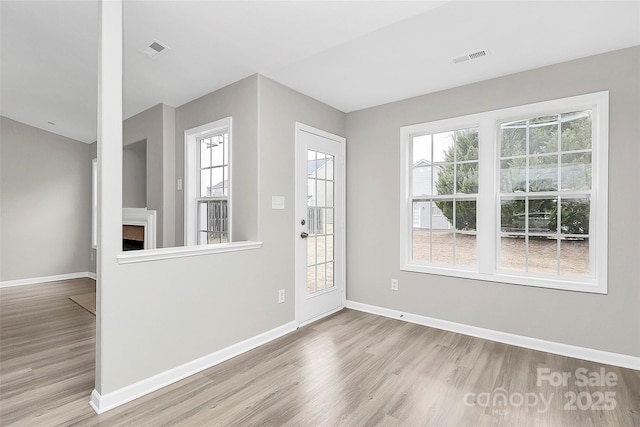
474	55
154	49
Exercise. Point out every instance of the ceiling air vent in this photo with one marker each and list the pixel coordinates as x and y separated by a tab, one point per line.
474	55
154	49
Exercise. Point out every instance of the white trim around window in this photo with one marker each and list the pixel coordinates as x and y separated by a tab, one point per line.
488	219
191	175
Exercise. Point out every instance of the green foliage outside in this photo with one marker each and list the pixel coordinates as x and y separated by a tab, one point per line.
543	158
465	148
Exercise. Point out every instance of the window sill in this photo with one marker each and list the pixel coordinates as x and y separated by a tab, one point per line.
539	281
184	251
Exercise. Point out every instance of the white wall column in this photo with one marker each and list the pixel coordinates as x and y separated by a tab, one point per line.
109	168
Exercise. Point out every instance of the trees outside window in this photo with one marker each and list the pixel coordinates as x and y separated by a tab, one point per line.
517	195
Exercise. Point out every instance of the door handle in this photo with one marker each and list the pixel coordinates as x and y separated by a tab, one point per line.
304	235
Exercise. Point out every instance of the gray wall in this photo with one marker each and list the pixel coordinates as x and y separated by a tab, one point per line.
240	101
169	176
280	108
183	309
46	203
604	322
134	175
149	126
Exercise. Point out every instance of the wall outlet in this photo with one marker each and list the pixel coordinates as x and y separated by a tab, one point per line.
280	296
91	255
394	284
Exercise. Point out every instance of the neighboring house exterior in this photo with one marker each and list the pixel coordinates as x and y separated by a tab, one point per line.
425	213
319	193
217	190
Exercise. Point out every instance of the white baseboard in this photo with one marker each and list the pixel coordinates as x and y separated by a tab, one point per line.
101	403
92	275
44	279
615	359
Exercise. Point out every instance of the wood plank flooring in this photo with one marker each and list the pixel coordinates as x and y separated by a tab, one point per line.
351	369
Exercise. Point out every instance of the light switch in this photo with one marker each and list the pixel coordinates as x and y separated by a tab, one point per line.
277	202
179	183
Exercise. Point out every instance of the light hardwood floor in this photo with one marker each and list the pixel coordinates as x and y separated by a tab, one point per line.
351	369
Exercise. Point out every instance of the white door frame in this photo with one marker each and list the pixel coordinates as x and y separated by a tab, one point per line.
339	221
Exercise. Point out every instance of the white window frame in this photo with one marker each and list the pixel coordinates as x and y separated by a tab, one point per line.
191	178
488	203
417	217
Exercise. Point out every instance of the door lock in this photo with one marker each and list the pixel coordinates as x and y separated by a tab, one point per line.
303	222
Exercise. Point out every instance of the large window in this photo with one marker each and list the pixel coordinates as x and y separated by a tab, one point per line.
516	195
208	184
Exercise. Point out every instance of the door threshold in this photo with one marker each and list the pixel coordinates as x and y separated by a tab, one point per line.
322	316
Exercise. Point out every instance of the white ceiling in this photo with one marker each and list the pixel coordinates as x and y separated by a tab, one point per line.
348	54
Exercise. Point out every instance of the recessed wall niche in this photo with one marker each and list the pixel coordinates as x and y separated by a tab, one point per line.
134	175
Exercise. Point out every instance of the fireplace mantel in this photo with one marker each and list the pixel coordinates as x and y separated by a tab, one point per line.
144	218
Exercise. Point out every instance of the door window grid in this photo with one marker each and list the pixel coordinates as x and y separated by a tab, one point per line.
320	191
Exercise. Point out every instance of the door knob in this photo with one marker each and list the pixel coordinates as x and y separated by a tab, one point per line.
304	235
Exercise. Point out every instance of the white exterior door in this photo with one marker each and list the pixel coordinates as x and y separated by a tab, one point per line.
319	228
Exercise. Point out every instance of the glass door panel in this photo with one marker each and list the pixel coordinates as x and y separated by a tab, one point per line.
320	190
